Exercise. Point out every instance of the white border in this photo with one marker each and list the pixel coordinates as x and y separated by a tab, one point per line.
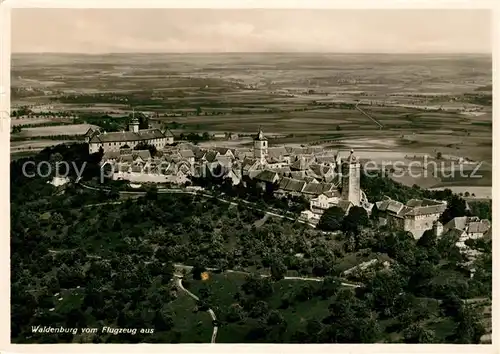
5	40
269	4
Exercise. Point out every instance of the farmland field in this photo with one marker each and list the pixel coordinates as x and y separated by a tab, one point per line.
16	146
425	103
24	121
77	129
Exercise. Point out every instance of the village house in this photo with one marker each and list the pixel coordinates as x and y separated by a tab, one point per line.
315	188
234	175
266	178
324	201
328	160
328	200
290	186
187	155
224	152
467	227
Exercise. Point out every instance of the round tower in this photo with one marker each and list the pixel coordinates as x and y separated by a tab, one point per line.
351	175
260	147
437	228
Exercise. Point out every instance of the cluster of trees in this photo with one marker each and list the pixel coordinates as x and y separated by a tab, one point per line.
115	266
421	260
386	309
482	209
195	137
334	219
145	146
16	129
106	122
113	124
21	111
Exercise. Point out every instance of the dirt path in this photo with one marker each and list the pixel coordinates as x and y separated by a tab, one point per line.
248	204
178	282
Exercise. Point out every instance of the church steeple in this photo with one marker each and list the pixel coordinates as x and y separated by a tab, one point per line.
134	123
260	147
260	135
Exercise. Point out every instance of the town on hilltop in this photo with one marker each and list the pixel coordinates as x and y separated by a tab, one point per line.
214	177
325	178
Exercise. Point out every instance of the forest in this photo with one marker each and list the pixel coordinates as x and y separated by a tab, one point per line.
78	264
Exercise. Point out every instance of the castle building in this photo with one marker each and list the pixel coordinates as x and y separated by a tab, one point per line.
260	147
351	175
115	140
416	216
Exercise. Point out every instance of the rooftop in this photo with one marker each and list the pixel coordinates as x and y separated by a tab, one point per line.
146	134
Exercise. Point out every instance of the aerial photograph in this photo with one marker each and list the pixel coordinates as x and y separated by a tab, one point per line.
251	176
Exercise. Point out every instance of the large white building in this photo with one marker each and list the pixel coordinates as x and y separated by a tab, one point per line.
128	139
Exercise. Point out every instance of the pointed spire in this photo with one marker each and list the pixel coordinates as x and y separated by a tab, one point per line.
260	134
352	158
134	119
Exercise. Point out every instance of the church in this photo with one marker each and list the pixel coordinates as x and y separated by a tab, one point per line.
128	139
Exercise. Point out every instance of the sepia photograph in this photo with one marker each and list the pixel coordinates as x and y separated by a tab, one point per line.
280	176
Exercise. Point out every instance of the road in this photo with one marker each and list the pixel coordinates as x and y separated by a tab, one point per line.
178	282
186	267
248	204
369	116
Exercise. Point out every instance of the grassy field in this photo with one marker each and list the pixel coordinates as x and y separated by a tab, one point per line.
192	326
223	288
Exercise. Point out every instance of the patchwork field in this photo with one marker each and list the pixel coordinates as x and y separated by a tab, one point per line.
16	146
424	103
77	129
24	121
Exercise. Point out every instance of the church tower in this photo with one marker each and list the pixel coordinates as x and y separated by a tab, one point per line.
260	147
134	123
351	175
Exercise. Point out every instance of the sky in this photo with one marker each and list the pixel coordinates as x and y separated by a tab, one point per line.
251	30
